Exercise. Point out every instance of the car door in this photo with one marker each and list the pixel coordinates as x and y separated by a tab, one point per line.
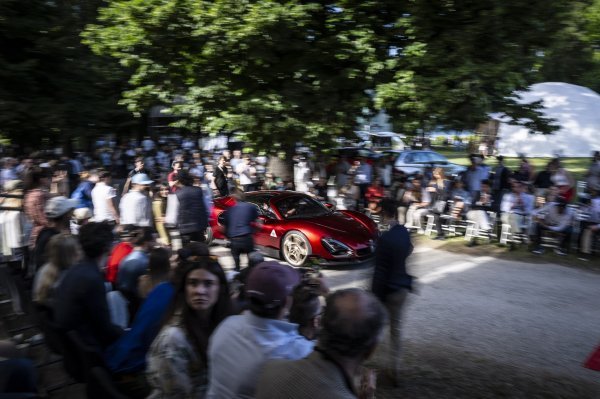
265	234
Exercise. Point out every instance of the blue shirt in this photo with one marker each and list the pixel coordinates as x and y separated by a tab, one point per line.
238	219
241	345
128	353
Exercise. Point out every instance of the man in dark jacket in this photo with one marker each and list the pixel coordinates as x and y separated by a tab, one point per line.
81	296
221	177
239	221
391	282
500	184
192	217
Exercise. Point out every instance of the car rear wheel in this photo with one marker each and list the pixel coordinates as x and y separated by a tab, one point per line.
295	248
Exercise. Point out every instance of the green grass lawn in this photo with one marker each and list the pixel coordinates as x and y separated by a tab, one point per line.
577	166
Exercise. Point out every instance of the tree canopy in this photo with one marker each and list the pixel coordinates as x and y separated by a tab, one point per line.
278	71
459	61
284	71
53	86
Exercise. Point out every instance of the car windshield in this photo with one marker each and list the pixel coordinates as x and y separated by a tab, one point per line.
435	157
262	203
300	207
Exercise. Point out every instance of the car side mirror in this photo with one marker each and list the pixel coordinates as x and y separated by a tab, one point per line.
330	206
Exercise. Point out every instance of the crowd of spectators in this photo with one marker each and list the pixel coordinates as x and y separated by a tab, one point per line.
96	232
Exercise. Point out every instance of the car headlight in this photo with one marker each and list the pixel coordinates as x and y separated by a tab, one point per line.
335	247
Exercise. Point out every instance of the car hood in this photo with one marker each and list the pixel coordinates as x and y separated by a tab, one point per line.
342	227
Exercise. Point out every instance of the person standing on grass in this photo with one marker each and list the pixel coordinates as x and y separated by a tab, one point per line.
391	282
500	182
592	176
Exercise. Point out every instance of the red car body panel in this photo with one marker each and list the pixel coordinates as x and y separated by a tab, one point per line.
354	229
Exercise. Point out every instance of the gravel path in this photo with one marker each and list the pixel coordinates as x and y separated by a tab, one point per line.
541	318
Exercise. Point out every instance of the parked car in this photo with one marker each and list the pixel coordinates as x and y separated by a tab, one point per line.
415	161
294	226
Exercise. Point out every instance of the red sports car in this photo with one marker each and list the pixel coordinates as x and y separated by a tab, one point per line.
294	226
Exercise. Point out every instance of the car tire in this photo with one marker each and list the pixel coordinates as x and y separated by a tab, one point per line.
295	248
208	234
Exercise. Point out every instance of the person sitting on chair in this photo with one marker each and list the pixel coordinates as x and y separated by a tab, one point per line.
460	201
555	217
516	208
479	211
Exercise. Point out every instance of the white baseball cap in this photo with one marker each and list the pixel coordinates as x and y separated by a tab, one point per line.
141	178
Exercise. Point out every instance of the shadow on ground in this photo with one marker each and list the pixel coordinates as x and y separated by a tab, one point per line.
439	372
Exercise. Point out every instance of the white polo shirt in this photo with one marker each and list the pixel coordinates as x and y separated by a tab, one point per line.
100	194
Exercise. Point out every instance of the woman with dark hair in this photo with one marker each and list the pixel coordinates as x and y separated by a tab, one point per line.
177	361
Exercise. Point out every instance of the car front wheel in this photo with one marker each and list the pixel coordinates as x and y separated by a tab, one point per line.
208	234
295	248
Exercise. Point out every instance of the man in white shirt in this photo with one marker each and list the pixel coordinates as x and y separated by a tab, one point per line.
517	207
135	206
241	344
247	174
102	198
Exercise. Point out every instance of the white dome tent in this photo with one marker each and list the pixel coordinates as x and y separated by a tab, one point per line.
575	109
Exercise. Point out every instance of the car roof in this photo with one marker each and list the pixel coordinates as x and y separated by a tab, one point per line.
269	194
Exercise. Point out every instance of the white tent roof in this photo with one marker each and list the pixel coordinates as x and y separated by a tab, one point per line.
575	109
